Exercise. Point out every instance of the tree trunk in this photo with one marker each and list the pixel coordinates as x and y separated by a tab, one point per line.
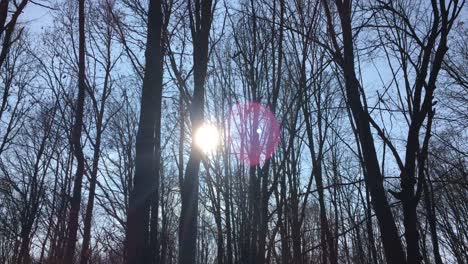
431	218
200	24
75	201
85	250
144	194
391	240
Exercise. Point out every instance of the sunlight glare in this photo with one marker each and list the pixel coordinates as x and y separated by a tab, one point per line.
207	138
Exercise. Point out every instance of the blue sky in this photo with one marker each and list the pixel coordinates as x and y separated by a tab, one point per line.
36	17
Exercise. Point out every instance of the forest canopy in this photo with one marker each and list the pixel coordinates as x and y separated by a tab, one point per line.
233	132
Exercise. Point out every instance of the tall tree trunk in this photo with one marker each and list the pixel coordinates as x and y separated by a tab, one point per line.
85	250
369	227
200	24
144	194
431	218
391	240
75	201
227	201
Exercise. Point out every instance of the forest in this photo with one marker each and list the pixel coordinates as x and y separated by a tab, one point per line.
233	131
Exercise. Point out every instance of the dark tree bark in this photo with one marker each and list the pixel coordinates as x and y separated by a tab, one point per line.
200	15
145	193
9	28
391	240
431	53
3	14
75	201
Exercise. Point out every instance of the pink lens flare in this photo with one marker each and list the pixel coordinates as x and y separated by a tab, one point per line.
253	131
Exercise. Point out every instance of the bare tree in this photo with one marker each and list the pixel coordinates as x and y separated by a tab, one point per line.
145	191
352	86
75	139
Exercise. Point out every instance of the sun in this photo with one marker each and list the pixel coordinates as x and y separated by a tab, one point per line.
207	138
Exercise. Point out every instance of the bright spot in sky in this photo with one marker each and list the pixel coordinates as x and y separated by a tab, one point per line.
207	138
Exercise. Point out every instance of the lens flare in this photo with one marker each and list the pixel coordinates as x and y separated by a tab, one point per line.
254	132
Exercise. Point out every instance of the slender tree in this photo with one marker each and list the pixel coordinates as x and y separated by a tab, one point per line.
77	147
200	16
